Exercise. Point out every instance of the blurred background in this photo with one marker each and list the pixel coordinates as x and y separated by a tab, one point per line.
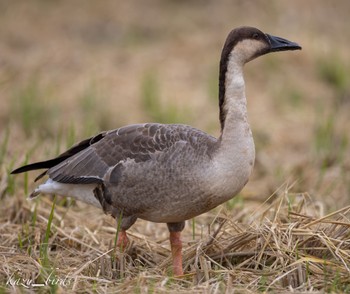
69	69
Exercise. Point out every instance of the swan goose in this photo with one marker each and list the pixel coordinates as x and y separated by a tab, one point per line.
167	173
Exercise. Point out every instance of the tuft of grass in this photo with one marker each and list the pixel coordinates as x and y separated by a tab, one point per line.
330	145
193	221
237	201
119	222
93	113
71	136
10	186
20	242
334	71
45	243
152	104
25	175
48	271
4	144
33	109
263	282
213	85
294	97
34	214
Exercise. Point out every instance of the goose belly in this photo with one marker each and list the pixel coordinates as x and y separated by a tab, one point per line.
166	195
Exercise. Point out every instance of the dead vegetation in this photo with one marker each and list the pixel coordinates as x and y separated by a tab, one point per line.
285	244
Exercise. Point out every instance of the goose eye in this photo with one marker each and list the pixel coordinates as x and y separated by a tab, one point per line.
256	36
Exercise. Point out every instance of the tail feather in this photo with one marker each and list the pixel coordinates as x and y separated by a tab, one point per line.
34	194
37	165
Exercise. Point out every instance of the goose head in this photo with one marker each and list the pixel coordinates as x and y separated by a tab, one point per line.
248	43
242	45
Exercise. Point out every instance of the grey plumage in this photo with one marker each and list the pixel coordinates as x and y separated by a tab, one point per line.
167	173
127	158
134	143
138	170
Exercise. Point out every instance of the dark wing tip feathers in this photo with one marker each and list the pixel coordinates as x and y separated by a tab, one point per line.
66	179
52	162
33	166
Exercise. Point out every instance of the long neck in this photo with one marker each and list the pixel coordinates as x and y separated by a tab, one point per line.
232	100
234	158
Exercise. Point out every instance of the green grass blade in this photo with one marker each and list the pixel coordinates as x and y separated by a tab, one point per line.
47	232
194	228
4	144
118	230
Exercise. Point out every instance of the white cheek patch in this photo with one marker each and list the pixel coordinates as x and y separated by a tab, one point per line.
245	50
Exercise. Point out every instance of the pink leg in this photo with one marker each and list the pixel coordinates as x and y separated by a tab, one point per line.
123	240
176	251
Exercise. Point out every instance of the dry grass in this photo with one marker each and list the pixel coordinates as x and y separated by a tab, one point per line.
285	244
69	69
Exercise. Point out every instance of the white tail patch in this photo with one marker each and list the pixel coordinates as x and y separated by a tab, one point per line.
81	192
